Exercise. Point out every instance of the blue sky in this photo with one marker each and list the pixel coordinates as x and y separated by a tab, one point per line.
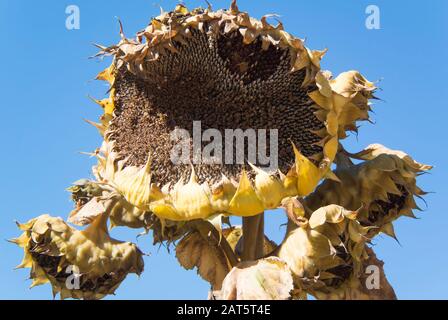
46	78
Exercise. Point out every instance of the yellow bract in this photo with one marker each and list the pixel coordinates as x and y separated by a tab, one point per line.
107	75
135	185
245	201
181	9
268	188
192	199
308	175
221	194
107	104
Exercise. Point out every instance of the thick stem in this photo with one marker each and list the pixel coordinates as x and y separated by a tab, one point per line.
253	237
259	250
98	227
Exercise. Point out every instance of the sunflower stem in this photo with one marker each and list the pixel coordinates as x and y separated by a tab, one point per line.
253	237
100	222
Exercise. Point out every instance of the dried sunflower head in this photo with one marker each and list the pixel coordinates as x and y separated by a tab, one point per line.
382	187
86	264
229	71
325	251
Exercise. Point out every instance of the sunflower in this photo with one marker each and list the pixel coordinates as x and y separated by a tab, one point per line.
325	252
382	187
228	72
85	264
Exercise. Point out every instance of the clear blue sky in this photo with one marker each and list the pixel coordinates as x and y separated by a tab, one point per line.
46	77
